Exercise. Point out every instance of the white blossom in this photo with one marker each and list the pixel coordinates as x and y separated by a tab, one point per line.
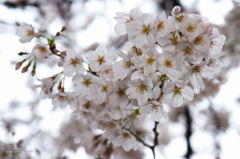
25	32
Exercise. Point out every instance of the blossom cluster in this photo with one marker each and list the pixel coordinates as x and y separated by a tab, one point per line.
164	60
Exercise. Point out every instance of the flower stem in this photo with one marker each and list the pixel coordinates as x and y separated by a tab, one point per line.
160	95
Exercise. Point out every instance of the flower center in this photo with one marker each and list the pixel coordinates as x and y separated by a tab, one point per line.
154	107
104	88
61	98
199	40
177	91
73	62
187	51
111	126
175	40
87	82
149	61
137	50
128	20
168	63
180	18
197	70
211	63
125	135
101	106
42	49
120	92
140	89
29	32
191	27
160	26
213	42
100	60
126	64
86	105
145	30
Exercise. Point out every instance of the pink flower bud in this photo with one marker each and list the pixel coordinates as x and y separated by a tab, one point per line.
19	143
63	28
18	65
57	34
37	35
63	56
183	38
22	53
176	10
33	72
208	29
64	52
24	69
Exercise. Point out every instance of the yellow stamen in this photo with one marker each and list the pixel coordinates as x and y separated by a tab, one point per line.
125	135
212	43
168	63
111	126
191	27
145	30
140	89
61	98
187	51
87	82
177	91
73	62
149	61
120	92
180	18
160	26
154	108
100	60
126	64
42	49
29	32
211	63
197	70
175	41
104	88
199	40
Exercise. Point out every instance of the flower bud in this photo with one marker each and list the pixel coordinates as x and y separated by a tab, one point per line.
37	35
38	152
52	46
208	29
176	10
63	56
18	65
63	28
33	72
22	53
25	69
55	50
64	52
19	143
59	86
57	34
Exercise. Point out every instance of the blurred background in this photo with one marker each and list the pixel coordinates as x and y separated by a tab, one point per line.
207	127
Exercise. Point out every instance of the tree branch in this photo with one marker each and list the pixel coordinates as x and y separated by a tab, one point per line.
188	132
155	139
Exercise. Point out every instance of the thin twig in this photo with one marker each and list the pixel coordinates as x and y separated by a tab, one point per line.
140	140
155	140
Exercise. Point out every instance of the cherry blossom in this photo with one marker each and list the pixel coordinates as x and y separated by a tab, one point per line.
25	32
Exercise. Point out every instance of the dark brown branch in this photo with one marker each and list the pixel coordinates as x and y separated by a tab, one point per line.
188	132
140	140
155	139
